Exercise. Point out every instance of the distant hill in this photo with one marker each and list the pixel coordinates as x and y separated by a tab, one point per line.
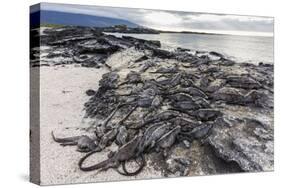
64	18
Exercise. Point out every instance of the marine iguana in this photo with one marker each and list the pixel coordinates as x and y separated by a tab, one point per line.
162	116
168	139
132	78
84	143
124	153
122	136
151	136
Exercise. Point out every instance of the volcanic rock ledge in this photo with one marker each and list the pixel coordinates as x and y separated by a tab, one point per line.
194	112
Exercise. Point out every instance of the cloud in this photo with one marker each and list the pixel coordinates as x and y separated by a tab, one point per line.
229	22
173	20
162	18
220	17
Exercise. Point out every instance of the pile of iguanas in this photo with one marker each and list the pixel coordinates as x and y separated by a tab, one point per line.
172	110
159	103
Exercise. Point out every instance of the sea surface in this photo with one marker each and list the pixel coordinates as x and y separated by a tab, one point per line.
252	49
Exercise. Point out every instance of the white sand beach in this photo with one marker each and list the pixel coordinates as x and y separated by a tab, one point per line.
62	96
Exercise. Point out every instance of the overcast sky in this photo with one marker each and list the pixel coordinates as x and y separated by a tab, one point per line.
176	21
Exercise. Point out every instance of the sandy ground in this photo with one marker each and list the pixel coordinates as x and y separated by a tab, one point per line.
62	95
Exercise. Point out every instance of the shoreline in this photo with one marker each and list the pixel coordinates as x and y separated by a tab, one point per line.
173	44
65	79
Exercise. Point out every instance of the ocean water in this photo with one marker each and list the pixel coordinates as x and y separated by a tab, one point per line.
251	49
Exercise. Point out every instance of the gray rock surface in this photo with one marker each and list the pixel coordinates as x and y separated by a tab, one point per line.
222	110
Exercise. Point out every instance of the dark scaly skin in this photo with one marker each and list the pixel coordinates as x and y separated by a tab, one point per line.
163	116
199	132
193	91
151	137
112	134
107	120
107	138
132	78
84	143
207	114
122	131
171	70
146	136
128	115
185	105
169	138
112	114
174	81
122	136
126	152
156	135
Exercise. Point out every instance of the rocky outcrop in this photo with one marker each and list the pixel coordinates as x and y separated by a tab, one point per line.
80	45
198	112
247	142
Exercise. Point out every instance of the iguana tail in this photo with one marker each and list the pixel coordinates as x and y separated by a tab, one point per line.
93	167
63	140
136	172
